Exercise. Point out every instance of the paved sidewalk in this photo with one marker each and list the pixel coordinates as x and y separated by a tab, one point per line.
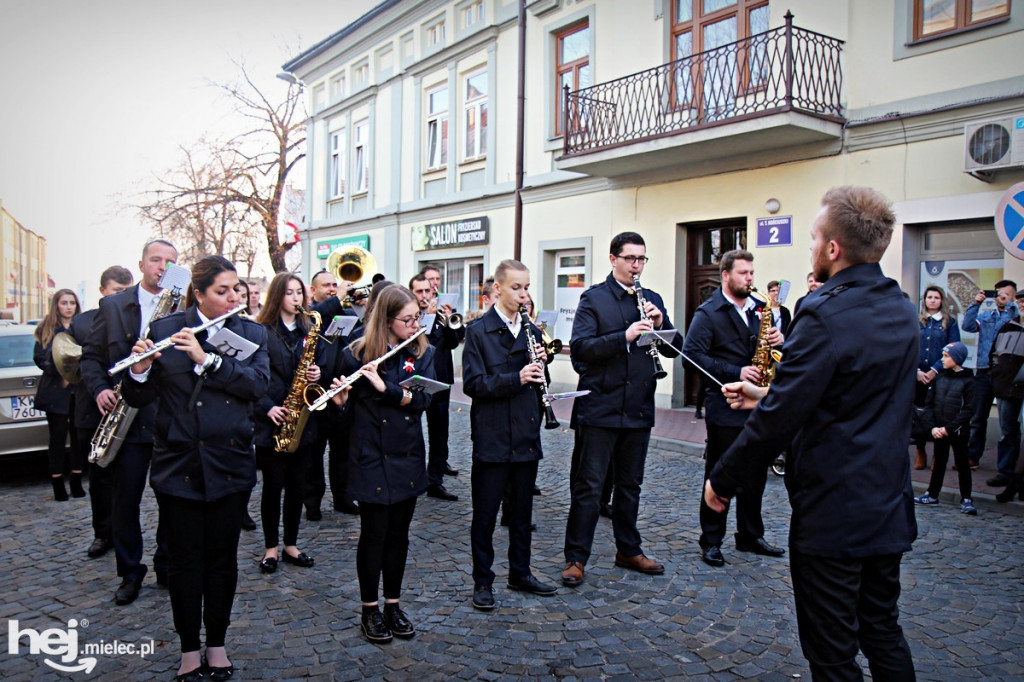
961	604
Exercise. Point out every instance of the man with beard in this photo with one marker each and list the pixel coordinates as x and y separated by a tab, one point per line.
722	339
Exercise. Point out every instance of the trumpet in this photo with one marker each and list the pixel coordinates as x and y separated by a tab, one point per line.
551	346
163	345
453	321
356	295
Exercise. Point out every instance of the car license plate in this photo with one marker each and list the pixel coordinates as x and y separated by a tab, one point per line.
22	407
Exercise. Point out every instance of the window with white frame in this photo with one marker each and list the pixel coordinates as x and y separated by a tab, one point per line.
336	181
471	14
437	127
362	157
319	97
337	87
570	282
435	34
361	74
475	118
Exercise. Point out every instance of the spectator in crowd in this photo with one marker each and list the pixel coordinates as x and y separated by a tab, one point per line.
781	317
947	411
812	286
1005	362
985	324
938	330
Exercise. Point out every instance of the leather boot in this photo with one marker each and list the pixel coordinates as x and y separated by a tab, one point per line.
920	459
60	493
1011	489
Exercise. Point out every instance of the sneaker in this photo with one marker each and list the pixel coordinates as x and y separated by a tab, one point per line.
926	499
967	507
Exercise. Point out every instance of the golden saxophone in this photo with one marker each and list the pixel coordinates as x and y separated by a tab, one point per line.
114	425
302	392
765	357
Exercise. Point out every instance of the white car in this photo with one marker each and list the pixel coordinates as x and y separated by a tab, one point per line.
22	427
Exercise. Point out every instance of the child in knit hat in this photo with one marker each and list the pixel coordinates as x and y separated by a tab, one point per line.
947	410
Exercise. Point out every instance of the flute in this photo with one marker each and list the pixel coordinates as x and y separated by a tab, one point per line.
135	358
321	402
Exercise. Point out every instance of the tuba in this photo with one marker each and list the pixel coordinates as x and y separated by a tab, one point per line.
302	392
765	357
114	426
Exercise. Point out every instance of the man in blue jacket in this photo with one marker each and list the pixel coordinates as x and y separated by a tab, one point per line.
498	374
841	401
615	420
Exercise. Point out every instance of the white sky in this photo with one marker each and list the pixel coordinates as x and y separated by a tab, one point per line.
97	97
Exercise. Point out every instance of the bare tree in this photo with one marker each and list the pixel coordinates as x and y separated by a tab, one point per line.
225	197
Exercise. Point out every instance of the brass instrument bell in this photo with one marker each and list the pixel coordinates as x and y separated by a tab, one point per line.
66	357
351	263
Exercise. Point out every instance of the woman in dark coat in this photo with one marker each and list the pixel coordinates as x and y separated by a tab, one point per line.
387	456
54	395
287	330
203	466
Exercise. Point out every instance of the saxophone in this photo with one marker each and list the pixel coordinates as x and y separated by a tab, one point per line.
765	357
114	426
302	392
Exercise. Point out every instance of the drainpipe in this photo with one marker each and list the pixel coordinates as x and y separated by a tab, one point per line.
520	133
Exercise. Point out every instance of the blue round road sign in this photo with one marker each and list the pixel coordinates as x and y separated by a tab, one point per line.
1010	220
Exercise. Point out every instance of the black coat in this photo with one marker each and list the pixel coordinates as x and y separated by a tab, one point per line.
114	330
387	456
284	349
330	356
841	403
505	416
203	451
87	415
723	344
785	318
52	396
950	401
621	382
444	341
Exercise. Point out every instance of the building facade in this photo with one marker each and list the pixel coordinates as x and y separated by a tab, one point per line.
23	271
701	124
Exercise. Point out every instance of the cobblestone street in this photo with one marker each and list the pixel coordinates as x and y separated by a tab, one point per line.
961	607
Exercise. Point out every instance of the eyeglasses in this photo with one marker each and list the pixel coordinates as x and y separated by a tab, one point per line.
407	321
632	260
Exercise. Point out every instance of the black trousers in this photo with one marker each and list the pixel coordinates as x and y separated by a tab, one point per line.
983	396
958	442
330	433
383	547
625	450
203	540
59	426
749	525
490	481
101	489
130	471
437	436
574	467
843	605
282	471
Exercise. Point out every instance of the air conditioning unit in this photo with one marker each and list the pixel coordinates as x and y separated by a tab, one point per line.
994	144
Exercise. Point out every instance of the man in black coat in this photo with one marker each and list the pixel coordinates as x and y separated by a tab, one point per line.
114	280
616	418
505	420
120	321
444	339
841	401
722	338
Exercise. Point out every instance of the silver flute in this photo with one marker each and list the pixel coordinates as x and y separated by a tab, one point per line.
159	346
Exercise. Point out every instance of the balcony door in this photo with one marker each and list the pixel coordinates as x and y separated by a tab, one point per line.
705	244
708	88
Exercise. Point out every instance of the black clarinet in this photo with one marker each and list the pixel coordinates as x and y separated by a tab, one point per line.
550	421
652	350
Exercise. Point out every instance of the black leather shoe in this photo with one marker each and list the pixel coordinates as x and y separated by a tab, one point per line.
127	593
99	547
483	597
192	675
347	507
448	471
530	584
268	565
759	546
998	481
220	674
303	560
698	413
247	522
441	493
374	628
161	578
396	621
536	491
712	556
314	515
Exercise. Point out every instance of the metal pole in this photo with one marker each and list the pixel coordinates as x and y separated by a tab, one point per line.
789	59
520	133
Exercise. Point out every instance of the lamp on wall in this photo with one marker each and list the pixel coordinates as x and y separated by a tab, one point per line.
291	78
772	206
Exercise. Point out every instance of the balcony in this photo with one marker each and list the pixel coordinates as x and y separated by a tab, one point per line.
770	98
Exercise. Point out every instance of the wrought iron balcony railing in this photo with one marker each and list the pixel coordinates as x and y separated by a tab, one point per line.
785	69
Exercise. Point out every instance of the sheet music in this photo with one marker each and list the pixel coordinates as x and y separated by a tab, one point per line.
428	386
231	345
175	277
341	325
662	335
546	319
447	299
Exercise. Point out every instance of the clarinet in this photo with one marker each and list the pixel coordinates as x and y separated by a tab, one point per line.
550	421
652	350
